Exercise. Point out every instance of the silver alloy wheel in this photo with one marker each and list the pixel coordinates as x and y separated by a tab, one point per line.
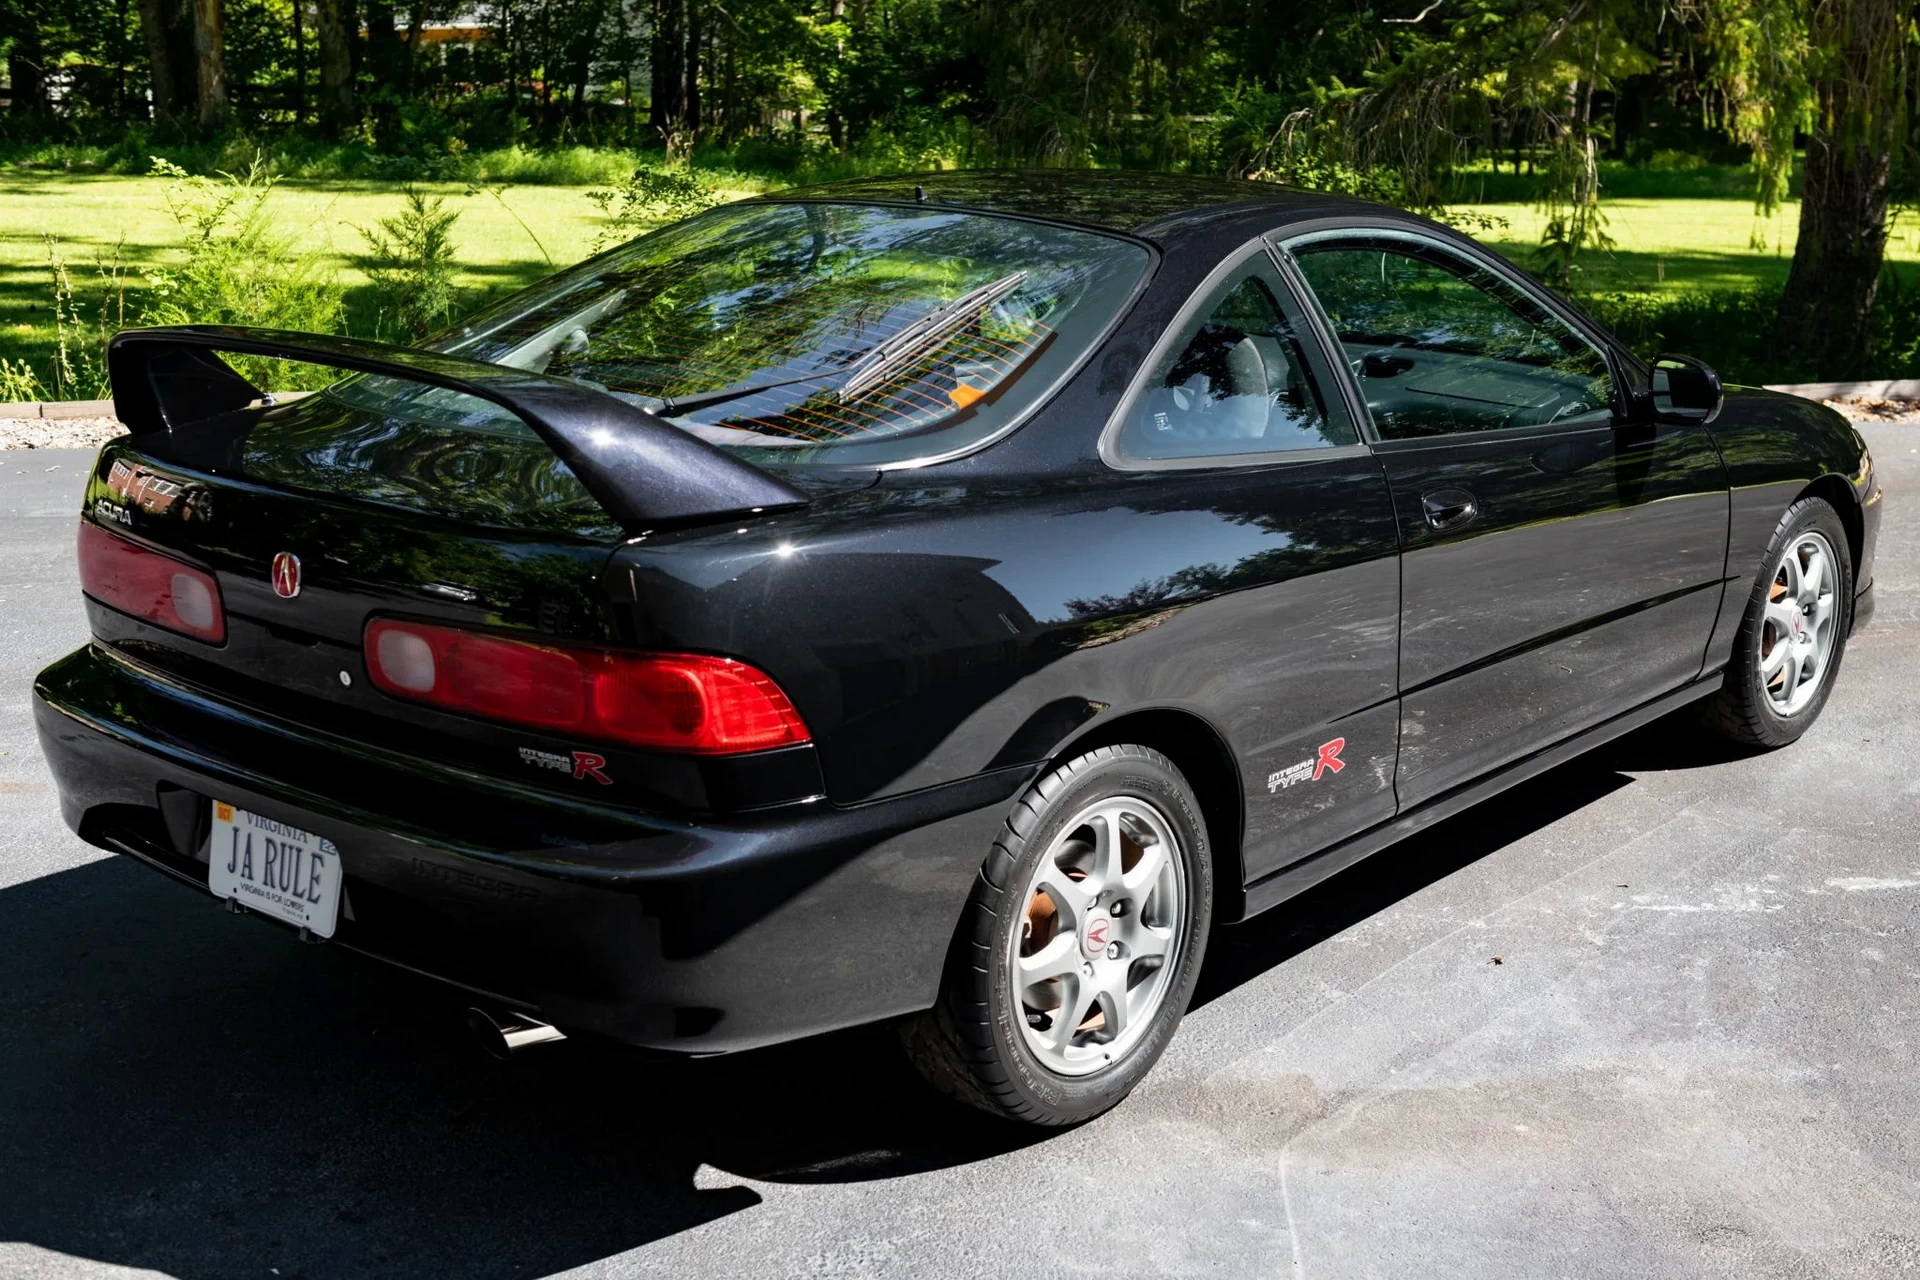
1105	924
1801	624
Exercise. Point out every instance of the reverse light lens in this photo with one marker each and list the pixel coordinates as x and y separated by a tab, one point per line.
684	702
150	585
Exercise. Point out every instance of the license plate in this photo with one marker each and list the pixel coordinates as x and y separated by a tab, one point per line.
275	869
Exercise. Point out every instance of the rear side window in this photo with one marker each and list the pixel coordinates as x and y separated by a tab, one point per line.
841	334
1241	378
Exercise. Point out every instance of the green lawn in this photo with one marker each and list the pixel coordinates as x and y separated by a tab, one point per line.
1682	243
89	216
1662	244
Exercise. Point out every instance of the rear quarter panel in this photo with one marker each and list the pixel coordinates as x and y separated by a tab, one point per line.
931	633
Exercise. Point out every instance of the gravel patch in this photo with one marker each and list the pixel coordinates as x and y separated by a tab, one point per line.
57	433
1873	409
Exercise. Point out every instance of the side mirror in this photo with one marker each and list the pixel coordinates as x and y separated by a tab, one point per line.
1685	390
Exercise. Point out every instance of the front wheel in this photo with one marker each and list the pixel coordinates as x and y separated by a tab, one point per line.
1793	634
1080	944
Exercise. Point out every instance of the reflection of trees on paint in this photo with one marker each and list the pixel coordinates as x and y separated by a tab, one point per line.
1152	593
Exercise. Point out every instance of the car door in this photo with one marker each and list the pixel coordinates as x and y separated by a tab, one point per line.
1560	563
1243	448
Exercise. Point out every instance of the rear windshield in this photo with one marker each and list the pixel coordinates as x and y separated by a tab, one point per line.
838	334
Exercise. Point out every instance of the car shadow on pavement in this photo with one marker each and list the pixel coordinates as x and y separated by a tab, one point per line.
206	1097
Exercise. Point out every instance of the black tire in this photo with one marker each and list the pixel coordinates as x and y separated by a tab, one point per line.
1742	711
971	1045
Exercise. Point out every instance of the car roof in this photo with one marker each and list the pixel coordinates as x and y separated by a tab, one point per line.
1154	206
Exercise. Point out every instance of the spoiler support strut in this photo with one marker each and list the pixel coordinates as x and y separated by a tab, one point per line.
642	469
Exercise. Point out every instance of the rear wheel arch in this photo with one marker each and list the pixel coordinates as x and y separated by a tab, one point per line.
1196	748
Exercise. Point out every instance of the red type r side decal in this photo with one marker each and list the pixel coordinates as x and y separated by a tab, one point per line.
1326	759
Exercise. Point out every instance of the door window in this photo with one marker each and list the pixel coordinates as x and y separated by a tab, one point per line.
1240	379
1440	344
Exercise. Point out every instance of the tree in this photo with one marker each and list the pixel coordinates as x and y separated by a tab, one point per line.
1859	99
1835	71
336	21
210	61
167	26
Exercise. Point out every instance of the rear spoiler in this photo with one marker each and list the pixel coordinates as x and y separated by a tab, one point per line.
641	468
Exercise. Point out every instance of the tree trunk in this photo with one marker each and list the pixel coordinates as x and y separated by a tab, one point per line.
836	121
1825	324
299	62
667	103
210	61
333	33
120	52
26	72
167	26
383	44
695	35
416	18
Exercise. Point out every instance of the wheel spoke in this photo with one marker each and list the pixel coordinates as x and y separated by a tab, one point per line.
1114	1008
1147	943
1069	899
1790	570
1105	872
1795	659
1776	658
1139	882
1061	956
1781	614
1811	576
1076	1000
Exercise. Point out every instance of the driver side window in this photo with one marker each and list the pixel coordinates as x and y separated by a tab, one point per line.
1242	379
1439	344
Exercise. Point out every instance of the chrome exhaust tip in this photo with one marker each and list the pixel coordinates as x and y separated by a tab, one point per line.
504	1034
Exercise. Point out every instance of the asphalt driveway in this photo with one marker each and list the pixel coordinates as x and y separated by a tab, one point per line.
1652	1014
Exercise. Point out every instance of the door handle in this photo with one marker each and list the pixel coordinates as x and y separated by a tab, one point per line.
1449	508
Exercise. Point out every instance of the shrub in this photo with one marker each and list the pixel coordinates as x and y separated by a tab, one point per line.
238	268
649	197
412	267
1729	328
1725	327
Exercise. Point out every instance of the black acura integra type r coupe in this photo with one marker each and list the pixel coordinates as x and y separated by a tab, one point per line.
943	600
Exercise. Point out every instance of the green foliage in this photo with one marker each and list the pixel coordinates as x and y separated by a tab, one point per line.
19	384
649	196
236	266
412	265
1728	328
1725	327
78	370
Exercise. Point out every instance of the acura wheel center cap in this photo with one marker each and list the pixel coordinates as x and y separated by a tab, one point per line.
1097	934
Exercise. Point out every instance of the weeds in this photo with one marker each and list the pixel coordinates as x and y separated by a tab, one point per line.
19	384
238	268
649	197
413	265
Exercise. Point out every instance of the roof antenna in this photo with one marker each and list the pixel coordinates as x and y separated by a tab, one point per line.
919	195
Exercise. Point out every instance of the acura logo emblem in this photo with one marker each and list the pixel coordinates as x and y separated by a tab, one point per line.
286	575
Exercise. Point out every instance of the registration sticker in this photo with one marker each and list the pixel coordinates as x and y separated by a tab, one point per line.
275	869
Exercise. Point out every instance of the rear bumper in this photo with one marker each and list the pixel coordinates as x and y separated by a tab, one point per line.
702	938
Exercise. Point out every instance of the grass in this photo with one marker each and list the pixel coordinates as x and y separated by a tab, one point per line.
1662	245
92	216
1668	244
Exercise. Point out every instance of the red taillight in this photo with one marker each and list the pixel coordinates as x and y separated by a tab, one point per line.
686	702
149	585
